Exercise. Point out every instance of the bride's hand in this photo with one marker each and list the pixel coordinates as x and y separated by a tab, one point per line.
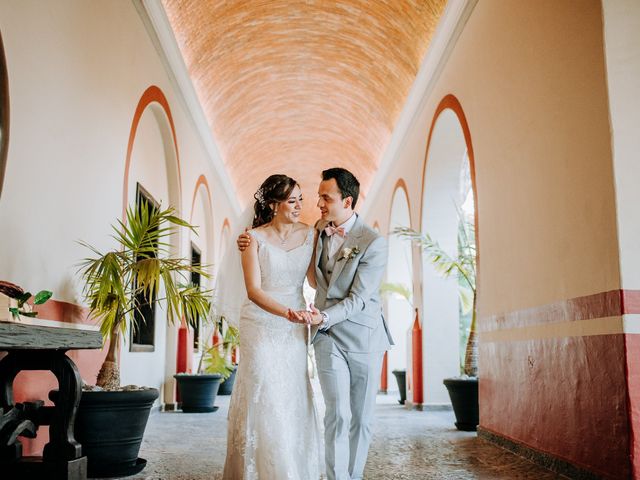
310	318
295	317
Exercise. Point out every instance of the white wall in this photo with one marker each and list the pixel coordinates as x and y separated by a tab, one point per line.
399	270
622	53
77	71
440	319
154	167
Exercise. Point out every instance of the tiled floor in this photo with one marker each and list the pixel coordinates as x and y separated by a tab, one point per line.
407	445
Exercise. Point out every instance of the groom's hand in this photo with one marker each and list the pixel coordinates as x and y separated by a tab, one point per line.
316	315
243	241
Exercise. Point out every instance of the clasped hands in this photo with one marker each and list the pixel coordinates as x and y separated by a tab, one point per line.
314	317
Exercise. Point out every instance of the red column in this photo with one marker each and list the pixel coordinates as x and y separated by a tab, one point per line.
234	355
185	342
383	375
416	344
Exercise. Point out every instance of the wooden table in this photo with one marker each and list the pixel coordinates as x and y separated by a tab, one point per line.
41	345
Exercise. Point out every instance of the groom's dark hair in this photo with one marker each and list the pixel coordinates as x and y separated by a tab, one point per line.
348	184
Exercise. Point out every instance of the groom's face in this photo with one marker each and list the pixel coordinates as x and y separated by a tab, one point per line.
330	202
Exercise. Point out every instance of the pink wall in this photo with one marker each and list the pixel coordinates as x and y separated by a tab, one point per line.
564	395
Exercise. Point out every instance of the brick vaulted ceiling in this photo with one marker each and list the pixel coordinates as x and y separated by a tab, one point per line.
297	86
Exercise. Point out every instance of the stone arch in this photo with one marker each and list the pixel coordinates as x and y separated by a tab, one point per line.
448	147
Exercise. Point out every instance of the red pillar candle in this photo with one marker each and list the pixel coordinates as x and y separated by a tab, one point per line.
183	361
234	355
416	344
383	375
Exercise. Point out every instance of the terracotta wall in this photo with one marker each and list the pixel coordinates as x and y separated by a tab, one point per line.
531	79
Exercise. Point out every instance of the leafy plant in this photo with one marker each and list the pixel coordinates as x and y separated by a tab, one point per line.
217	358
137	268
399	290
463	264
15	292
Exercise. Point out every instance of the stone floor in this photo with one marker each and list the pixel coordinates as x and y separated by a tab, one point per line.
407	445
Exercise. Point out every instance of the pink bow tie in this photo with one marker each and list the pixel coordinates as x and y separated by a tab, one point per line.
330	230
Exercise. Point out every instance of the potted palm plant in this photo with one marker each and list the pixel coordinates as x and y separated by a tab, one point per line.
111	419
198	391
230	343
463	390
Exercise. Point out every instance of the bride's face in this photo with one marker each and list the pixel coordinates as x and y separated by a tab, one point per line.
289	210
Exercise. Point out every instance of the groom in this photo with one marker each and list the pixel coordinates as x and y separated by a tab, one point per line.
352	337
351	334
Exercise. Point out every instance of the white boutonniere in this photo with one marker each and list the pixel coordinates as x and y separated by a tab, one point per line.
349	253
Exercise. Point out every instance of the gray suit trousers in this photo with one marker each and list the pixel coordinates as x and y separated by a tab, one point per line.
349	383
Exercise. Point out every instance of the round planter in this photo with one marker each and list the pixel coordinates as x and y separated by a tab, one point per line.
110	427
401	379
226	387
464	398
198	392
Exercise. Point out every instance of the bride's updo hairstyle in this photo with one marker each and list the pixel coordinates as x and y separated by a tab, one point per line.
275	189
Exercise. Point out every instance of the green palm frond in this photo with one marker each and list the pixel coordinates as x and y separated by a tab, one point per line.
466	299
217	358
464	265
215	362
142	264
231	337
398	289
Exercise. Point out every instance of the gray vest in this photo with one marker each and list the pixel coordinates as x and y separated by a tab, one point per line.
327	263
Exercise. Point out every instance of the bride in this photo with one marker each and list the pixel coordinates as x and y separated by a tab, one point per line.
273	431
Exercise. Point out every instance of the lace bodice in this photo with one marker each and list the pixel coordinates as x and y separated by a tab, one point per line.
283	270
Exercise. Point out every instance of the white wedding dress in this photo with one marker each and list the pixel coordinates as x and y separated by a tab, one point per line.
273	429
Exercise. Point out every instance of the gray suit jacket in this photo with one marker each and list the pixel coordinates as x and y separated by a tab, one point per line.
350	294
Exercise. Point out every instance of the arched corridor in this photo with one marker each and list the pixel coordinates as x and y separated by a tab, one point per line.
517	118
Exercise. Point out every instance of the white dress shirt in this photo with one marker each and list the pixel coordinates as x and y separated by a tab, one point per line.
335	240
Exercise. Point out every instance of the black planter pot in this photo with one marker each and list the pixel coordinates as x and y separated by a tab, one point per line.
110	426
198	392
401	379
464	398
226	387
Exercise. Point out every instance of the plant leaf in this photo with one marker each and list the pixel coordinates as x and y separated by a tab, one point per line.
42	297
23	298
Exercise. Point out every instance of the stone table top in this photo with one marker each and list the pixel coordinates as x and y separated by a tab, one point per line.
39	334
